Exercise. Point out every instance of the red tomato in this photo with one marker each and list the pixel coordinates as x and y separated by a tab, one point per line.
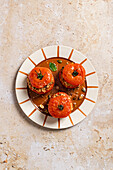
74	74
70	86
60	105
40	77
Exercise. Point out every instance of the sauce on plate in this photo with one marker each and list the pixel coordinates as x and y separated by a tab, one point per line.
77	94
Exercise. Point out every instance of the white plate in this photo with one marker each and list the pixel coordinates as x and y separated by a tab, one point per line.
33	113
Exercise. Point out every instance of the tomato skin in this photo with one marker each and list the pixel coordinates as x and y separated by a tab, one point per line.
47	77
68	71
63	83
62	99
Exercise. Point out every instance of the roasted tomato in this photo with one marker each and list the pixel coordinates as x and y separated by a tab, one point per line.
40	80
60	105
64	83
74	74
40	77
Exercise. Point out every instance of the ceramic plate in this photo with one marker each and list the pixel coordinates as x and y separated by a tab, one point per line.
33	113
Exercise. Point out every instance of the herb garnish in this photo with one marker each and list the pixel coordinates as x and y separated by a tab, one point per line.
60	107
75	73
84	89
39	75
59	61
52	66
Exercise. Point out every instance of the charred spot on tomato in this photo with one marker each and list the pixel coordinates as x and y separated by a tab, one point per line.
60	107
75	73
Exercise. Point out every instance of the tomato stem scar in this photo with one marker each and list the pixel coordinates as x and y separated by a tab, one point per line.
75	73
39	75
60	107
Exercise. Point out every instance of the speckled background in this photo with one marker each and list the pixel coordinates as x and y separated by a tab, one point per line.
26	26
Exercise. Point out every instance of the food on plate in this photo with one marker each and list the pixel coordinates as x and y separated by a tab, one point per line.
72	75
52	66
60	105
47	80
40	80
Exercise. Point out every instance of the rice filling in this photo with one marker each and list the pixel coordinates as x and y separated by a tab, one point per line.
44	89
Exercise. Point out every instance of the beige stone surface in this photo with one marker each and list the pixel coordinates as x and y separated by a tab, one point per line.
26	26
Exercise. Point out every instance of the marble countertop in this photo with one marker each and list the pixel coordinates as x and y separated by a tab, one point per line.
26	26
